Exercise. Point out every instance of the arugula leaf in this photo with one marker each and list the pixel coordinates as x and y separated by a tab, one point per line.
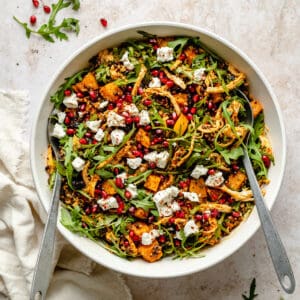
102	74
143	201
147	34
231	154
252	294
49	30
178	44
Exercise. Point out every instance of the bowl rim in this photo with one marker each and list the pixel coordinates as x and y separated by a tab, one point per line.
200	30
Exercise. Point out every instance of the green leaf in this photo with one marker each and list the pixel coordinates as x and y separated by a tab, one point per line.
231	154
143	201
102	74
28	31
75	4
178	44
252	294
146	34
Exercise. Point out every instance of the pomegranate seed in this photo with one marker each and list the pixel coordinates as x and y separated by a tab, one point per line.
126	243
210	105
162	239
172	220
235	167
87	211
214	213
119	104
35	3
129	88
196	98
67	120
193	110
119	183
152	165
103	22
185	110
137	153
104	195
182	184
136	119
32	20
179	214
169	83
139	146
155	73
191	89
152	41
127	194
79	95
140	91
94	142
170	122
82	107
68	93
83	141
128	120
148	127
148	102
70	131
198	217
155	47
163	80
88	135
47	9
206	216
128	98
236	214
230	200
83	225
222	201
214	196
151	219
161	75
177	243
93	95
132	209
211	172
116	171
165	144
190	117
110	106
131	233
174	116
266	160
136	238
182	56
94	208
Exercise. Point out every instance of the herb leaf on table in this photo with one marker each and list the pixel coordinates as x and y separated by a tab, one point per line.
252	294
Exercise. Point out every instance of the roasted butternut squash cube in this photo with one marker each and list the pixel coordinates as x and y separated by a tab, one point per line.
152	182
143	137
111	92
236	181
141	213
181	124
198	186
181	99
50	164
108	188
88	82
190	53
257	107
151	253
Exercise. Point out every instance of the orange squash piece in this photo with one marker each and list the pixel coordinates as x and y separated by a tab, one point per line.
181	124
152	182
198	186
151	253
111	92
236	181
143	137
108	188
88	82
257	107
181	99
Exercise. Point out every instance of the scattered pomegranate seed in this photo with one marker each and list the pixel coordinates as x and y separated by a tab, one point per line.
235	167
206	216
147	102
136	119
198	217
190	117
185	110
211	172
67	93
104	195
214	213
191	88
70	131
165	144
83	141
170	122
128	98
139	146
148	127
140	91
210	105
266	160
126	243
67	120
119	183
127	194
79	95
103	22
155	73
193	110
230	200
129	88
137	153
162	239
93	95
94	208
136	238
151	219
155	47
169	83
182	56
94	142
110	106
131	233
82	107
236	214
32	20
128	120
172	220
174	116
119	104
88	135
35	3
222	201
196	98
132	209
152	165
87	211
83	225
47	9
177	243
179	214
163	80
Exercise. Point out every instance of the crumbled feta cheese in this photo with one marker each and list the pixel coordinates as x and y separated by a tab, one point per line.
174	144
103	104
81	114
198	74
132	188
155	83
126	62
113	119
78	164
160	159
134	163
108	203
155	233
123	176
144	118
117	136
164	211
146	239
93	125
175	206
99	135
178	235
58	131
191	196
132	109
198	171
215	180
190	228
164	54
163	200
71	101
61	116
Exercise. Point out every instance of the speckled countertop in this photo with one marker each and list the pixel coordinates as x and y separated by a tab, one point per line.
268	31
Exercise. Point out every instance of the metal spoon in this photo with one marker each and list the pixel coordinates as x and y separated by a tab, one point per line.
43	270
276	249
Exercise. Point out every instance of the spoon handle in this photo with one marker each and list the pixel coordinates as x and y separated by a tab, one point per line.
43	269
277	251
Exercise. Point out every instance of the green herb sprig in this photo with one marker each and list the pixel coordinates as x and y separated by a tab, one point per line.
50	30
252	294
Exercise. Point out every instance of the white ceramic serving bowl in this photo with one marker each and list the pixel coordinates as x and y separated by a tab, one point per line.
260	88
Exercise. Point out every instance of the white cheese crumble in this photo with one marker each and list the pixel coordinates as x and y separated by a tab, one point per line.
108	203
163	200
113	119
93	125
126	62
99	135
81	114
149	237
132	109
117	136
123	176
132	189
190	228
134	163
198	74
103	104
191	196
178	235
155	83
78	164
58	131
215	180
164	54
199	171
144	118
175	206
71	101
160	159
61	116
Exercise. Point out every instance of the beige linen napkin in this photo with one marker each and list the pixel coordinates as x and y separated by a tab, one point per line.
21	224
